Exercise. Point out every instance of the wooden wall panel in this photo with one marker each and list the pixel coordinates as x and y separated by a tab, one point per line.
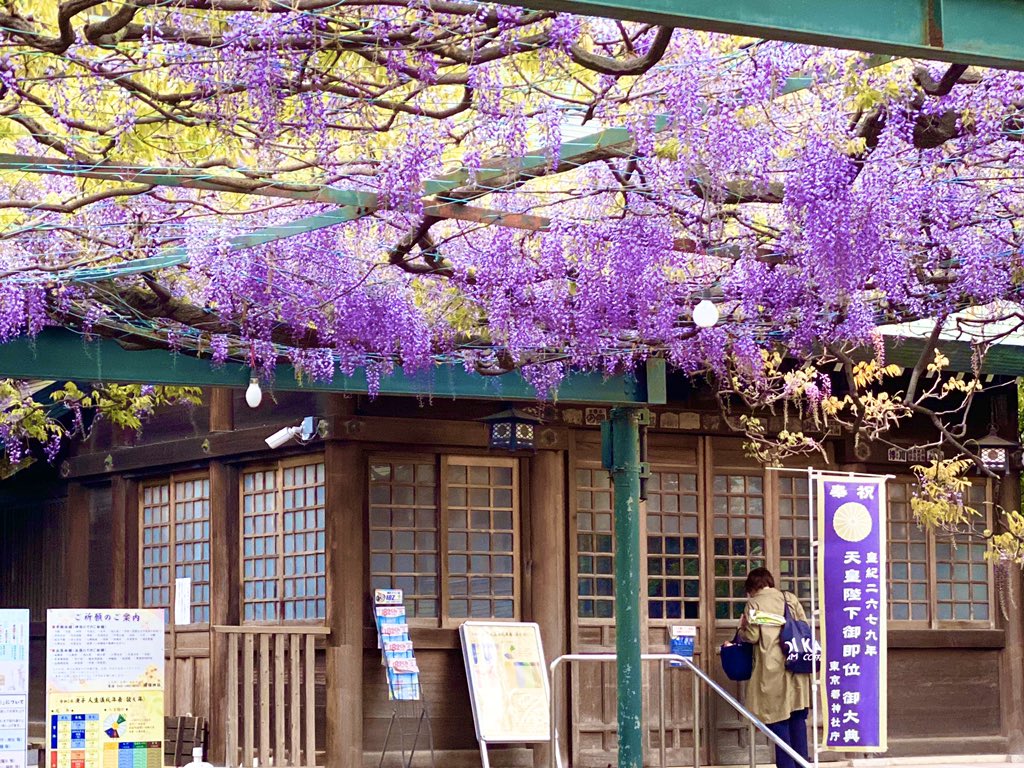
943	693
443	681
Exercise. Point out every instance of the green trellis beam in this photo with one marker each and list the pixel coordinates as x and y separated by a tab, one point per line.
981	32
57	354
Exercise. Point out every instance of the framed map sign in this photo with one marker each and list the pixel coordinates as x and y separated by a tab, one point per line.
508	682
13	687
105	688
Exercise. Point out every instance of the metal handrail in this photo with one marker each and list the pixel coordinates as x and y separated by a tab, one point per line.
699	675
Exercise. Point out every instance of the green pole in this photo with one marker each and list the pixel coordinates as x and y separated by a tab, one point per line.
621	449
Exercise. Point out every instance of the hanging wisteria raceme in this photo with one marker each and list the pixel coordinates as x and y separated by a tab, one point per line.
401	183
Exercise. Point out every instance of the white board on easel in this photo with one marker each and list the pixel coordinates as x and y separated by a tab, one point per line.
508	682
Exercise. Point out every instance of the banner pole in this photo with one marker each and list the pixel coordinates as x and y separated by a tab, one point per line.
812	519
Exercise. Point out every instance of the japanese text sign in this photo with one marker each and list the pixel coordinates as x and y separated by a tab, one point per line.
105	687
853	588
13	687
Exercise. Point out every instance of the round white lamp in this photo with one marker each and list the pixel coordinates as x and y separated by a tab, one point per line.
254	395
705	314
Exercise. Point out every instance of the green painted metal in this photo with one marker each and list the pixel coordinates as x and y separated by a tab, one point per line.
983	32
62	355
1000	359
623	434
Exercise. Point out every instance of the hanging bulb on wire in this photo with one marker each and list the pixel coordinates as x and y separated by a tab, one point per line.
705	314
254	395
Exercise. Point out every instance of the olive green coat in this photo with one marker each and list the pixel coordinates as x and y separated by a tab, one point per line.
773	691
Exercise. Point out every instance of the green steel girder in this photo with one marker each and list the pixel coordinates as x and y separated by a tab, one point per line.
982	32
63	355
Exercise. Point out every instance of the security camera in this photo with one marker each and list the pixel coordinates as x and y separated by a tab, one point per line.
282	436
306	431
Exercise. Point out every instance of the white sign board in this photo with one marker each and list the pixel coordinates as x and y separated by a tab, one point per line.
105	687
13	687
183	600
508	682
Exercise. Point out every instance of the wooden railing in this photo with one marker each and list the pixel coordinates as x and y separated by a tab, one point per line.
271	713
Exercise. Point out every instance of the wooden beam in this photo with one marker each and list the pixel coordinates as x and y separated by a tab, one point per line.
244	442
346	601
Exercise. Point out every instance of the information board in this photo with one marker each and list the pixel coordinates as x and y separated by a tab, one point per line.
105	688
13	687
508	683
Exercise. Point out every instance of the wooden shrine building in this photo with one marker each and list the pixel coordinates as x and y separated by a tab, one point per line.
284	547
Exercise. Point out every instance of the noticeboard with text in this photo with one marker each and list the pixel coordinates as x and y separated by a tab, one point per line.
105	688
13	687
508	683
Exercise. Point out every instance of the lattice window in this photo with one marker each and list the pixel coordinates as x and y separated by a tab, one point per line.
192	541
404	533
962	573
283	548
176	543
595	545
795	539
481	513
739	538
156	546
908	557
673	546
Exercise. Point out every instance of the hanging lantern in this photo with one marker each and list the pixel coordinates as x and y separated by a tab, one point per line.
995	452
512	430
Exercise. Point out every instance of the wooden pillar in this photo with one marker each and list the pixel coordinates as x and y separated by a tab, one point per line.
549	574
1011	683
346	602
124	535
76	547
222	416
224	595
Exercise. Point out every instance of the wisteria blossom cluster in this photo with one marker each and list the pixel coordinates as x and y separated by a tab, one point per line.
401	183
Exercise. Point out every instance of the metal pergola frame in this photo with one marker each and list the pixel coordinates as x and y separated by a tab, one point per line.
984	32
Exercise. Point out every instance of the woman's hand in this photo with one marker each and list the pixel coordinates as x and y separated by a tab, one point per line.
743	620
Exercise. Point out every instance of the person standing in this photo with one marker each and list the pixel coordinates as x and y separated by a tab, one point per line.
776	696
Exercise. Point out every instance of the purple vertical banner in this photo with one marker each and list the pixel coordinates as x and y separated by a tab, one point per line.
852	573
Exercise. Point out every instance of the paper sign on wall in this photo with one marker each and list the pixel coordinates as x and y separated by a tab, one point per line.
183	600
508	684
105	688
13	687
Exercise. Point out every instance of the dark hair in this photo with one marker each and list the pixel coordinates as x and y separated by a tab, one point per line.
758	579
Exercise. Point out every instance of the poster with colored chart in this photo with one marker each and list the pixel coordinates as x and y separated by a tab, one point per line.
508	682
853	592
13	687
105	688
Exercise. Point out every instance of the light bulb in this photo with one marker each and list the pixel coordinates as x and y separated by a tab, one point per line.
705	314
254	395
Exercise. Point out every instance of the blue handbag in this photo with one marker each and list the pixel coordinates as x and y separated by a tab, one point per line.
737	659
802	655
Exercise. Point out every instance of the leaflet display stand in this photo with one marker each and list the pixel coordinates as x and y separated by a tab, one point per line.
403	676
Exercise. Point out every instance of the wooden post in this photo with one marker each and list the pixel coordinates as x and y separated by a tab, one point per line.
1012	662
76	552
222	416
346	602
547	564
124	536
224	600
